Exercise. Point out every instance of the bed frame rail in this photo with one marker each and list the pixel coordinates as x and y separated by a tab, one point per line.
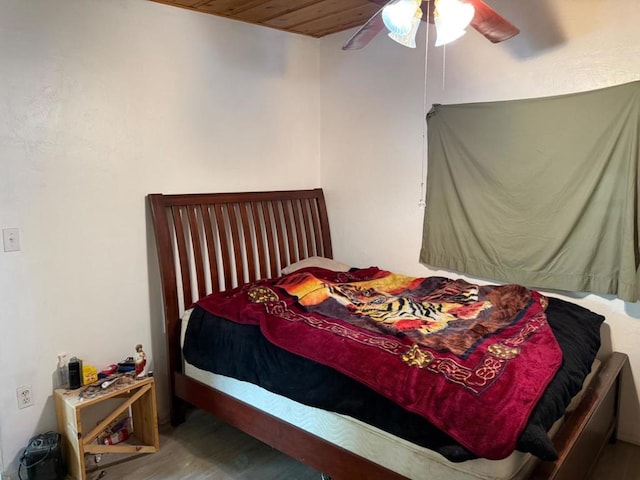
587	430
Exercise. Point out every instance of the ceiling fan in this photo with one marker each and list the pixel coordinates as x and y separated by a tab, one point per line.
451	17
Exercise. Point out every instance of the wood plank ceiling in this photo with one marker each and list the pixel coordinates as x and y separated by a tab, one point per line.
314	18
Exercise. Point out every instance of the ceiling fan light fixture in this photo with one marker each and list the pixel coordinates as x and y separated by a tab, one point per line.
446	35
402	19
451	17
409	39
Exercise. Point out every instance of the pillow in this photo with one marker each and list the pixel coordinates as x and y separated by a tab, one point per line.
320	262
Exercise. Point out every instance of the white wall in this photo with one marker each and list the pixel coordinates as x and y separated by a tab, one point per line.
373	106
101	103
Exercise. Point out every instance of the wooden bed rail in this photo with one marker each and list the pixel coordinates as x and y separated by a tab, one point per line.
283	436
588	429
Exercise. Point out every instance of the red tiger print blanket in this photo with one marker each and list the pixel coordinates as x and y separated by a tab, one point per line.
472	359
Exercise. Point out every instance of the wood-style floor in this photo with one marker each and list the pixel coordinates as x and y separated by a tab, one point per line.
205	448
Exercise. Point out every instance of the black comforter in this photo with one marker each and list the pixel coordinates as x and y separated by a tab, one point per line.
242	352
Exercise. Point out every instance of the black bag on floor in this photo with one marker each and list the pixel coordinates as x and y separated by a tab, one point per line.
42	458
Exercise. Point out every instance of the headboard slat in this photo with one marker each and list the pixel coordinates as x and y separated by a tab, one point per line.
317	230
220	219
260	238
309	226
322	228
280	233
208	223
194	226
249	246
271	244
288	221
298	221
183	256
234	227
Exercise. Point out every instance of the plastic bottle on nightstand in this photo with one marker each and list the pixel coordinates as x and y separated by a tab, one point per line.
63	371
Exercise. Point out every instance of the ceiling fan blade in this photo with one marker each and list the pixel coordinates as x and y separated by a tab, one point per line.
490	23
366	32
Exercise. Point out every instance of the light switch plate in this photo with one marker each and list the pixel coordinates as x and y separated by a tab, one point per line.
11	239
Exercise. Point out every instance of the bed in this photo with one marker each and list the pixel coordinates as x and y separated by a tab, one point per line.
215	242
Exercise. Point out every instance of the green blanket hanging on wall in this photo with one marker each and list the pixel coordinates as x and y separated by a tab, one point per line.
541	192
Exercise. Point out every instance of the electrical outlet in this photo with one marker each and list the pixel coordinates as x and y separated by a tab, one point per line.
25	396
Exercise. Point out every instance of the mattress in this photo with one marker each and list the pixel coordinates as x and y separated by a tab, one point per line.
394	453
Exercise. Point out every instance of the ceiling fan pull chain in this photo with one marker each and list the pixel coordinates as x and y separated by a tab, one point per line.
444	64
425	110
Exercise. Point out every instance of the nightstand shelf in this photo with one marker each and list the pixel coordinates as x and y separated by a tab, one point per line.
137	397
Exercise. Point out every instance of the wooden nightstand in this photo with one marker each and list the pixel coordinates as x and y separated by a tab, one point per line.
74	409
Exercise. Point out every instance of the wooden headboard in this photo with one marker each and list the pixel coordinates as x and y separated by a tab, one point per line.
212	242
